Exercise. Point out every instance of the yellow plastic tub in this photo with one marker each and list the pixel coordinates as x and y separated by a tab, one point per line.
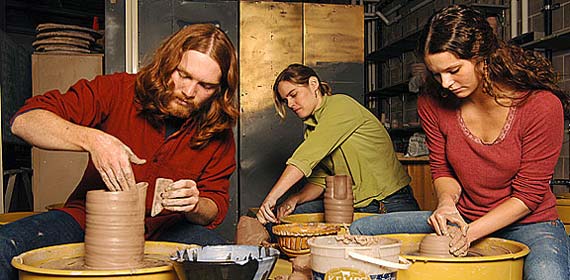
507	266
316	217
30	264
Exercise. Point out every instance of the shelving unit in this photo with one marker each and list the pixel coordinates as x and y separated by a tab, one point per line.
551	42
391	91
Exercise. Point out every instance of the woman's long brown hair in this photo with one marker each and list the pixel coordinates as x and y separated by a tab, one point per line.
153	87
466	33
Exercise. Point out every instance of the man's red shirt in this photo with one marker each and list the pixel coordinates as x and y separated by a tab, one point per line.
107	103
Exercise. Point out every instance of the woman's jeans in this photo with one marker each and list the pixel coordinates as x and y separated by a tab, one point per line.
548	242
402	200
57	227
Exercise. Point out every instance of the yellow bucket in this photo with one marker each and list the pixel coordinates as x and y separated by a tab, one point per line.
14	216
508	266
316	217
30	264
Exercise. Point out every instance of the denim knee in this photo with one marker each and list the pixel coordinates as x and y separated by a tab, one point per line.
8	250
397	222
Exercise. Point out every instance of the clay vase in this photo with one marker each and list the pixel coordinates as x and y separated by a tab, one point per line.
114	230
435	246
338	201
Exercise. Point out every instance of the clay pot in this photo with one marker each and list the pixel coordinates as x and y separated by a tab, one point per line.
114	229
435	246
338	200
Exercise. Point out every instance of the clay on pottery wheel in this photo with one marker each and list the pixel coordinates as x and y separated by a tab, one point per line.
338	200
114	229
435	246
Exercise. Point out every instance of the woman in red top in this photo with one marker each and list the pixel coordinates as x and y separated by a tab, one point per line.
494	118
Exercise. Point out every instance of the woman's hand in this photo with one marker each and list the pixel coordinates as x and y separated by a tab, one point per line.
265	214
460	243
287	207
113	159
181	196
445	214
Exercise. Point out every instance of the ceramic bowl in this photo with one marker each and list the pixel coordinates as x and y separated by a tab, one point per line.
292	238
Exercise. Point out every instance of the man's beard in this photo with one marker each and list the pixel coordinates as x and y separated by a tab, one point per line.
180	111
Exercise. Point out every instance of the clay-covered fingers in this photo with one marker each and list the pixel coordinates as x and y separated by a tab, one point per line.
181	196
285	209
110	185
458	221
118	177
444	215
265	213
439	223
124	175
113	159
459	245
459	242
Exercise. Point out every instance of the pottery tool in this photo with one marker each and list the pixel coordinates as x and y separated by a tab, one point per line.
159	187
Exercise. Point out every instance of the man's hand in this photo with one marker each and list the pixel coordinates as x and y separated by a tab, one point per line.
181	196
113	159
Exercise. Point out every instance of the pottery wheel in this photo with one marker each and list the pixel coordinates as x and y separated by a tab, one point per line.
78	263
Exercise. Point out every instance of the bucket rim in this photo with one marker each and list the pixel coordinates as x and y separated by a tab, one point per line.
396	243
18	262
273	252
509	256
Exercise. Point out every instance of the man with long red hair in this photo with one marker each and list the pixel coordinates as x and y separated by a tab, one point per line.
172	120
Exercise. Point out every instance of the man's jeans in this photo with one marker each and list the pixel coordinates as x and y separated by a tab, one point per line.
548	242
57	227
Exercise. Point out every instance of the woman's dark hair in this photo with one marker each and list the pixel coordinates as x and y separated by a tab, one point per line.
465	32
297	74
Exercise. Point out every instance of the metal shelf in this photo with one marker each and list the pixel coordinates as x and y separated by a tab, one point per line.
556	42
405	130
391	91
395	49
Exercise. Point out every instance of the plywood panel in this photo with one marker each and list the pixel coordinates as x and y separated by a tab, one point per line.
333	33
334	46
271	38
55	71
271	35
56	173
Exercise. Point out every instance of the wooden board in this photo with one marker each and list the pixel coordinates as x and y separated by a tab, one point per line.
57	173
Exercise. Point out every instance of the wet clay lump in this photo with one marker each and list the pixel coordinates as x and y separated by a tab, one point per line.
435	246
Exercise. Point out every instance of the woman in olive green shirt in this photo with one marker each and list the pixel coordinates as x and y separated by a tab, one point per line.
341	137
